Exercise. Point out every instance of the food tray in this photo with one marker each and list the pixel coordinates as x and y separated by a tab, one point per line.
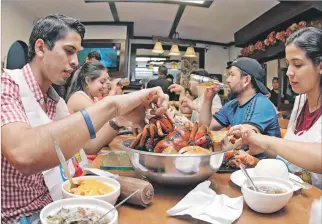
116	160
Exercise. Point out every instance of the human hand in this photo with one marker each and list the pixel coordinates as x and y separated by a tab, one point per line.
186	102
115	88
211	92
176	88
133	106
250	137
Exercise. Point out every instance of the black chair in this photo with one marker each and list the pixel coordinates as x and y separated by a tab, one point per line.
17	55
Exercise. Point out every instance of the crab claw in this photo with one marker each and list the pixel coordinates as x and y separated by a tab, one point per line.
159	128
193	132
153	130
201	132
145	134
136	141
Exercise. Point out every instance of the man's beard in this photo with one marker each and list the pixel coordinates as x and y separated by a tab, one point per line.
236	91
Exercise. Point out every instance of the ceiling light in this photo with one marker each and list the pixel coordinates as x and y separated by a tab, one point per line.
174	66
158	48
190	52
194	1
174	50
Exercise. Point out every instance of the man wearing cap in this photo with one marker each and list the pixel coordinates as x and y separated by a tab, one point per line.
250	107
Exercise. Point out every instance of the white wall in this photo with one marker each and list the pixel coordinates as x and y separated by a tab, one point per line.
16	24
216	59
272	71
105	32
234	52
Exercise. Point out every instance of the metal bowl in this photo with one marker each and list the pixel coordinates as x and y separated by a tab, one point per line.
173	169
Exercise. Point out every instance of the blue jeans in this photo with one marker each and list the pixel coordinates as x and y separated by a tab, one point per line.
32	219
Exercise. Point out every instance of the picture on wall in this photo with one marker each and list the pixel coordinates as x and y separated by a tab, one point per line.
110	55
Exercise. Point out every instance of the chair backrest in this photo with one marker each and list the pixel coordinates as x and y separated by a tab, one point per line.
17	55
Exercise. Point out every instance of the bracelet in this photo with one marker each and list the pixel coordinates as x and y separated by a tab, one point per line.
89	123
114	125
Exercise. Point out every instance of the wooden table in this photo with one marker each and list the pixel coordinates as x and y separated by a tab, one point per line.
296	211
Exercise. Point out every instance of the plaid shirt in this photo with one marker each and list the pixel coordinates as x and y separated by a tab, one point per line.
21	195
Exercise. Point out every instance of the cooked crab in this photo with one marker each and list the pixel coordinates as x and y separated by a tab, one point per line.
187	135
158	125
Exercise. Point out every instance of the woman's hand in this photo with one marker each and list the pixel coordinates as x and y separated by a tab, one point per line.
249	137
115	88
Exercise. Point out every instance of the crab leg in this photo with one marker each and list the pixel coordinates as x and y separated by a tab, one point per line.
193	131
159	128
201	132
153	130
136	141
145	133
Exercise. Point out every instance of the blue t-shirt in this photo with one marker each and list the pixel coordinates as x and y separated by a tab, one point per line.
258	111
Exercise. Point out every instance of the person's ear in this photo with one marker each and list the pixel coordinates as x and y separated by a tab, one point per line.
40	48
87	80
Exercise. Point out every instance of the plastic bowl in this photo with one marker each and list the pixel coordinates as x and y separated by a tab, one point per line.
263	202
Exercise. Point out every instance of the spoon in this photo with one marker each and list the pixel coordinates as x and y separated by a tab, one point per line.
248	177
116	206
64	165
303	185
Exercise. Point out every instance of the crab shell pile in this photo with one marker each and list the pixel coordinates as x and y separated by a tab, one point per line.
160	136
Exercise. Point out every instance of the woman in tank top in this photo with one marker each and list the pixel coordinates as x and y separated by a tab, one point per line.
92	83
301	148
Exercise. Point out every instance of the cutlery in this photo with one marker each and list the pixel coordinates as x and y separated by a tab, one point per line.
248	177
116	206
64	165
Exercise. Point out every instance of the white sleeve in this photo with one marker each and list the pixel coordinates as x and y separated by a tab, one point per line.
216	102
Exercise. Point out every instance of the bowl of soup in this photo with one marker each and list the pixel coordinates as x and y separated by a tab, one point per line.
78	210
274	193
102	188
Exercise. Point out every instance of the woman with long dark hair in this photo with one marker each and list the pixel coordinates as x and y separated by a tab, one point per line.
91	83
301	147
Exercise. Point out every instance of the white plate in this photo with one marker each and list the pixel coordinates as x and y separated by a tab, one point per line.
238	178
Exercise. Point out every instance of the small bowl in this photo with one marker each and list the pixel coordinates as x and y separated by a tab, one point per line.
109	197
267	203
97	205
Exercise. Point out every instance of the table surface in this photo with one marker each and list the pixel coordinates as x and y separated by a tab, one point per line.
296	211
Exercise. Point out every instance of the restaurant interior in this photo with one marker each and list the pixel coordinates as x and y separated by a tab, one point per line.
135	38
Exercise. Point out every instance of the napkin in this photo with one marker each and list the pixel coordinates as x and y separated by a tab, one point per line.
204	204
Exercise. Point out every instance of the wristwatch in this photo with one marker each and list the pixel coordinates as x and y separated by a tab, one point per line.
114	125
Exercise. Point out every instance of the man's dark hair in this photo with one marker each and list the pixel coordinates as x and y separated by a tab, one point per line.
163	70
94	54
170	77
275	78
52	28
201	72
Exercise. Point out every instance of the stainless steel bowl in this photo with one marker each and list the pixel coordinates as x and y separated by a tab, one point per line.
173	169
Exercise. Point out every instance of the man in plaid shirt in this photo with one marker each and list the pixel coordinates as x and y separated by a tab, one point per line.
28	150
